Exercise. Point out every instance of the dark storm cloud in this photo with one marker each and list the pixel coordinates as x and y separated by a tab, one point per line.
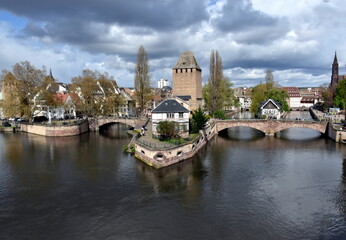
276	62
156	14
250	26
87	24
33	29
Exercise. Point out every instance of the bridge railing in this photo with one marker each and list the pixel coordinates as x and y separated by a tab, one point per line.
265	120
113	117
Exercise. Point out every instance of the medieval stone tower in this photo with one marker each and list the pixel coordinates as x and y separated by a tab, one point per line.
187	80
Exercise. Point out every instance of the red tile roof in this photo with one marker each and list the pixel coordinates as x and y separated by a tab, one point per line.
292	91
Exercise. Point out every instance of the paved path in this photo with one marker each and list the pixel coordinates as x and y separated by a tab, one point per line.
149	141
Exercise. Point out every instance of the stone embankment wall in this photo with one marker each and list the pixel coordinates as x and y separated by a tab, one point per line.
159	158
55	131
7	129
337	133
314	114
334	131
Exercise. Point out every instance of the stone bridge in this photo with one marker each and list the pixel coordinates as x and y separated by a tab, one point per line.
270	127
96	123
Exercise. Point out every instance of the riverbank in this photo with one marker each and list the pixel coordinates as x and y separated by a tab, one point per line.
7	129
159	154
336	129
55	131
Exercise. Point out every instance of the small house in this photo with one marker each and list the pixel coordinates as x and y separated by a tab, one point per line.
270	109
171	110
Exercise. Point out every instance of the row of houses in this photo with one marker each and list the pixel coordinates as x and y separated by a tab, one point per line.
299	98
69	99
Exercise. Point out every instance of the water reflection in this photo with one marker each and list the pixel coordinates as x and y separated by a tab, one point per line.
184	178
243	115
115	130
302	115
241	185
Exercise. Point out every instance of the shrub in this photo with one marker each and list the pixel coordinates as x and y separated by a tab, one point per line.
220	114
198	121
167	130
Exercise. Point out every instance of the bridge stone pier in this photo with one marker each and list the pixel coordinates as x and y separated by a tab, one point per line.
270	127
96	123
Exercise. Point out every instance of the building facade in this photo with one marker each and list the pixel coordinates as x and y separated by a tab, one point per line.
270	109
162	83
294	97
187	79
171	110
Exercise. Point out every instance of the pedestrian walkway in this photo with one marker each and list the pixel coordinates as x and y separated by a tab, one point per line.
151	142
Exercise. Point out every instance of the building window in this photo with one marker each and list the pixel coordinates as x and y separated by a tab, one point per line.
170	115
181	115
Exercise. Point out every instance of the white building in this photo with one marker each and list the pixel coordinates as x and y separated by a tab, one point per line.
295	97
162	83
270	109
243	95
171	110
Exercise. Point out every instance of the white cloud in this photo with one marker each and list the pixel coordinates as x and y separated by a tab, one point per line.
296	39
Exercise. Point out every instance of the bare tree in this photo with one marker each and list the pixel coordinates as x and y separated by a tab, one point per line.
98	92
23	86
269	79
142	80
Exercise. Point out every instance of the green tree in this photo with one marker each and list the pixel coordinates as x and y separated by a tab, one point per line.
281	96
142	80
167	130
220	114
217	94
261	93
340	94
198	120
258	95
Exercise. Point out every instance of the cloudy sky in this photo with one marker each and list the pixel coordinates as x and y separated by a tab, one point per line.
295	38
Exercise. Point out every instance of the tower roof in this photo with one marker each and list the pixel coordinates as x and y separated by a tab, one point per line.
187	60
335	59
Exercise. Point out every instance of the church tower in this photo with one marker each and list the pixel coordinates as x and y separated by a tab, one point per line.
187	80
335	72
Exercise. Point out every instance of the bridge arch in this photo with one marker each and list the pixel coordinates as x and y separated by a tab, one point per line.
308	126
96	123
270	127
240	124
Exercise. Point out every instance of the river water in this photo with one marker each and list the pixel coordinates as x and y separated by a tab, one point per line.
242	185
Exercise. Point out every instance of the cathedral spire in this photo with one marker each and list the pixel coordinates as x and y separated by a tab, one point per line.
50	73
335	72
335	59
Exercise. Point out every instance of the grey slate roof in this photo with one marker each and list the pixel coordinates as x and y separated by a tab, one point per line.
170	106
185	97
187	60
264	103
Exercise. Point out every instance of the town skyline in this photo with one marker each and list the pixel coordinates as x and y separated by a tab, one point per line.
296	39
